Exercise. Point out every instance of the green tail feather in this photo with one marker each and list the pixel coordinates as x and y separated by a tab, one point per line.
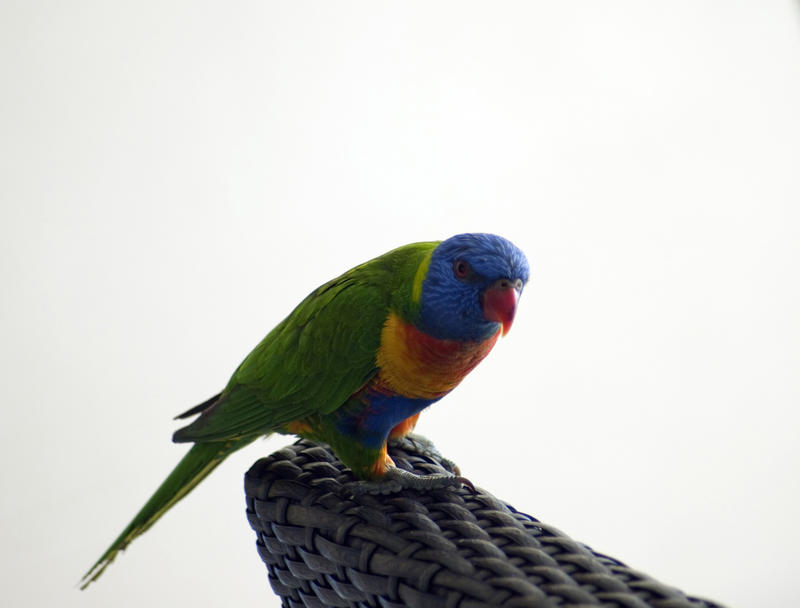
190	471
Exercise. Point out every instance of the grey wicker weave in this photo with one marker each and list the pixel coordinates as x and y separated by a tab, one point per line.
323	545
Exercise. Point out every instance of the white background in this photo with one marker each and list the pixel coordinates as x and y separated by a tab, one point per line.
175	176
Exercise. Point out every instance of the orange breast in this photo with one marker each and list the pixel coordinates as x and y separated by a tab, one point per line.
415	365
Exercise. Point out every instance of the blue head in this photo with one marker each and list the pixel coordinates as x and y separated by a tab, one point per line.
472	287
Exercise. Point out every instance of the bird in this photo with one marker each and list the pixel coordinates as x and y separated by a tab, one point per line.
353	365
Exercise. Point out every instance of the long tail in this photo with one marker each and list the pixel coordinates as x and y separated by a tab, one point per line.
190	471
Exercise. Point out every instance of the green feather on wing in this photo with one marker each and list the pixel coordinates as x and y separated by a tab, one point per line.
321	354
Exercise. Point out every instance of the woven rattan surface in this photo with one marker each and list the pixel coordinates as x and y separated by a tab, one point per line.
325	546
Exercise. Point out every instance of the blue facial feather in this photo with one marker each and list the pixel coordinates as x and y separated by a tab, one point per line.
451	305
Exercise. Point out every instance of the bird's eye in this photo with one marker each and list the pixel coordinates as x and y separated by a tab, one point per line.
461	269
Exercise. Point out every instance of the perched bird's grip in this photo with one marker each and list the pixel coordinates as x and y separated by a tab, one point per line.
323	545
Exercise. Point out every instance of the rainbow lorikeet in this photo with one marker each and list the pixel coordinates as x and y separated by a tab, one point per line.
354	364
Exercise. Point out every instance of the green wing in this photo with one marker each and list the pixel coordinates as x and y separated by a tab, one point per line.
322	353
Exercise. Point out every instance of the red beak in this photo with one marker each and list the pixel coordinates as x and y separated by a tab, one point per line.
500	302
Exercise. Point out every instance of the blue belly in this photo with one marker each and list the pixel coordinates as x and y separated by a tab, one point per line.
370	417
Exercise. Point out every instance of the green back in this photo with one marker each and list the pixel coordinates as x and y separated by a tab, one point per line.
322	353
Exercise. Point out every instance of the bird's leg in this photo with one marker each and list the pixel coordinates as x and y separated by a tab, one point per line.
424	447
390	478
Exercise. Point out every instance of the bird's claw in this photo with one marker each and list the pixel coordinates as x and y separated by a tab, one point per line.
425	448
